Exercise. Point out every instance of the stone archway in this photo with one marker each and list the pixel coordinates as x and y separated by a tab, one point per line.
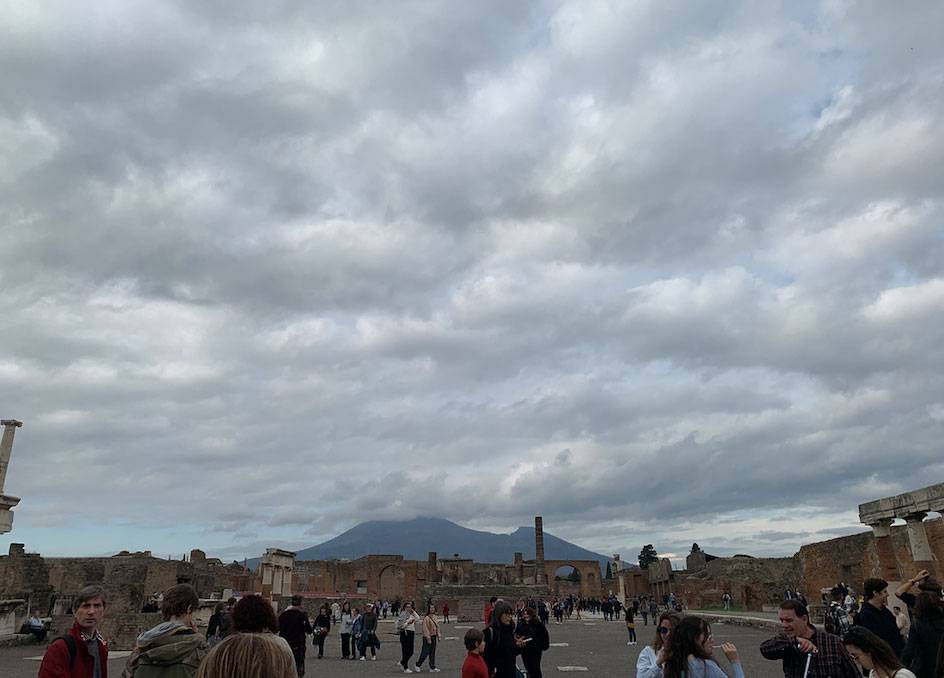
392	583
589	579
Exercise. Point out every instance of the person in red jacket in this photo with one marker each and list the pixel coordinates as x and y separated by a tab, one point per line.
86	654
474	665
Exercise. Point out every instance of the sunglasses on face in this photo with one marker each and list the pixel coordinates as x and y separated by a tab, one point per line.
662	629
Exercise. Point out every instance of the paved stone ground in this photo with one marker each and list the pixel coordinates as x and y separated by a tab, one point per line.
600	646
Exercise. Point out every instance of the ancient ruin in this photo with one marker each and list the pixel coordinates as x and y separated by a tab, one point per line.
7	502
892	551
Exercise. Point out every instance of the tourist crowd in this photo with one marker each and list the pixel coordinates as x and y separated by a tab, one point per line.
245	638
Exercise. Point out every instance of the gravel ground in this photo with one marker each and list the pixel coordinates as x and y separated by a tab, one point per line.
600	646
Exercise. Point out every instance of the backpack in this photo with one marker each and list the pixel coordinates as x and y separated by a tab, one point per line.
71	646
829	622
226	624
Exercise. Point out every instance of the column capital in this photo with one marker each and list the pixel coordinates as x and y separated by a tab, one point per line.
881	528
11	422
915	517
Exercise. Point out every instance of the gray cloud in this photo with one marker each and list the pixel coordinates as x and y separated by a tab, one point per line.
270	271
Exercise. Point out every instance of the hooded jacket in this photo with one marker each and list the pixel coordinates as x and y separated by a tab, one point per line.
169	650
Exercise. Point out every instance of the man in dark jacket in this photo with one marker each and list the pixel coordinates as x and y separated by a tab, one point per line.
295	627
875	615
82	653
173	648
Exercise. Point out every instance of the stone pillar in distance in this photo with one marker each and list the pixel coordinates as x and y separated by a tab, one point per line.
540	574
7	502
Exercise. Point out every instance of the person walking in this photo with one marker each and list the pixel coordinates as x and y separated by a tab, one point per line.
369	634
474	665
295	627
406	626
430	639
82	652
214	625
321	627
345	626
535	641
501	645
173	648
874	654
631	625
445	613
689	653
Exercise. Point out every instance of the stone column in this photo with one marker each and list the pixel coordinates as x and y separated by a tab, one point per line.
540	573
888	563
7	502
6	447
618	573
920	547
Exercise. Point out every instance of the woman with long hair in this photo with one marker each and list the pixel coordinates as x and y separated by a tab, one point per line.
501	646
689	652
873	654
321	626
345	625
535	640
248	655
430	640
649	663
926	635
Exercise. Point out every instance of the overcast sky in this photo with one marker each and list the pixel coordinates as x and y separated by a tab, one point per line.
661	272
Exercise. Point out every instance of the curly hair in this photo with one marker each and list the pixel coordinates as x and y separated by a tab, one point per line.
253	614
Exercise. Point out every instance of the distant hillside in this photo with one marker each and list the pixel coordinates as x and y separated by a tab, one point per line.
414	539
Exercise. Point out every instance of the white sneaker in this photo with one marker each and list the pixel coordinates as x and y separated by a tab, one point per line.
374	658
434	670
417	668
407	671
363	659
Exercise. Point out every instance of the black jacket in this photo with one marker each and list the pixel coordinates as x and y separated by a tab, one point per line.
920	653
882	623
500	651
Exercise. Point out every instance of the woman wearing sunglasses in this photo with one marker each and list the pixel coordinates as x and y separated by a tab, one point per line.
688	653
649	664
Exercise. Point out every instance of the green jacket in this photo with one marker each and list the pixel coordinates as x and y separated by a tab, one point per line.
169	650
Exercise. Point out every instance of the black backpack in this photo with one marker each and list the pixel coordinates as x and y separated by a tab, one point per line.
70	645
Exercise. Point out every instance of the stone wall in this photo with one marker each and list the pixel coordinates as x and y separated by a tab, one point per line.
752	582
129	579
854	558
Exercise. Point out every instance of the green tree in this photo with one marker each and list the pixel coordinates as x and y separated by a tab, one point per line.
609	570
647	555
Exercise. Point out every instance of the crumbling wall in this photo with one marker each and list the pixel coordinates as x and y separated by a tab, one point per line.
853	559
752	582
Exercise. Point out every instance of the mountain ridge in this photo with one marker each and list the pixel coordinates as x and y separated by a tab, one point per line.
415	538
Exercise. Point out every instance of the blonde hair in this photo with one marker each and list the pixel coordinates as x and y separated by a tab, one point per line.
248	655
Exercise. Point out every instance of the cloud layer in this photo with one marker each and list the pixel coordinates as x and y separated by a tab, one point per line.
658	273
